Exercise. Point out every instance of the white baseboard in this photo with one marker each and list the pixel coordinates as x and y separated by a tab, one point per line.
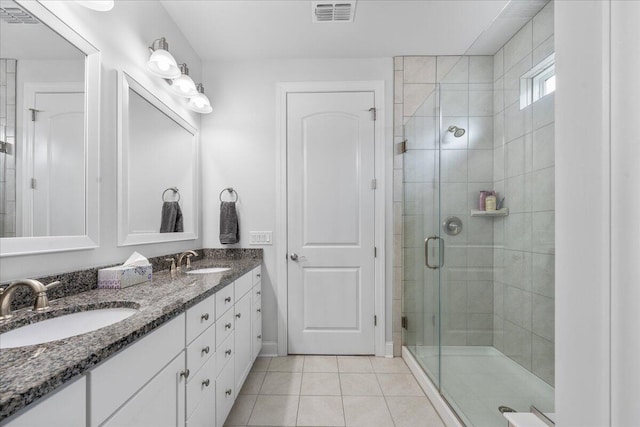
269	349
388	349
445	412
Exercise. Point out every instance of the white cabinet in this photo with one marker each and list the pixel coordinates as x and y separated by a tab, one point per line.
225	393
63	408
201	395
243	340
120	377
160	403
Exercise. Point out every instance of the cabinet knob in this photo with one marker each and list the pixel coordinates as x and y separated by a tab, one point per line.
258	293
259	337
206	382
228	392
259	310
227	325
204	316
185	373
239	315
258	275
228	352
227	299
206	350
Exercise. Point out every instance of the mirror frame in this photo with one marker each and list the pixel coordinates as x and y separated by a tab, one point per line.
126	83
14	246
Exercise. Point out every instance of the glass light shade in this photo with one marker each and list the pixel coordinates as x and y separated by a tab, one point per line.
200	104
184	86
162	64
99	5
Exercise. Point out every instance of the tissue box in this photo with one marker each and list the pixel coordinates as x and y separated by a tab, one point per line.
122	277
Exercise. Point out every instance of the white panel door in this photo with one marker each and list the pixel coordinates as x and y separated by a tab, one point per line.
330	169
58	165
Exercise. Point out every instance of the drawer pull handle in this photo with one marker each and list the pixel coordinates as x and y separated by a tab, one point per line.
228	352
228	392
227	299
259	336
258	293
206	382
259	310
258	275
204	316
227	325
206	350
185	373
239	315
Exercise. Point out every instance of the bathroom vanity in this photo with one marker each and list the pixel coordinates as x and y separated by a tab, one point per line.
181	359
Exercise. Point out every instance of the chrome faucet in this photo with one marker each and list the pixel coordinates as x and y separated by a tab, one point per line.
187	254
41	303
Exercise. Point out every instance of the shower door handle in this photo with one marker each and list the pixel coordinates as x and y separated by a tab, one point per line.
440	255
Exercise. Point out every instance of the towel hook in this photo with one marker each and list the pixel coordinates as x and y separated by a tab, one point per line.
231	192
175	191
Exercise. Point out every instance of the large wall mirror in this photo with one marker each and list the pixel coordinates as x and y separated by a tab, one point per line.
157	169
49	168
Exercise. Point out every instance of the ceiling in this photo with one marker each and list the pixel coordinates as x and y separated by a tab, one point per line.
230	30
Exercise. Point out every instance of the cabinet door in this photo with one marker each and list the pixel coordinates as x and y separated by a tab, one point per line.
63	408
160	403
243	340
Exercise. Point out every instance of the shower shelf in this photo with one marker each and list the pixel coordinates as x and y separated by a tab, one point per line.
499	212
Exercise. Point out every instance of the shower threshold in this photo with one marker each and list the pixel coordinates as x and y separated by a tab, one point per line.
475	382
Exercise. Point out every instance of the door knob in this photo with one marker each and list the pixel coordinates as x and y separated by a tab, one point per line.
294	257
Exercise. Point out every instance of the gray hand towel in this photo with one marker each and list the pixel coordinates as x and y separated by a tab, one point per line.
229	228
171	221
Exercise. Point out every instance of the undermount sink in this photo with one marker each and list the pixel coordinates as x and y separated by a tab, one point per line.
65	326
208	270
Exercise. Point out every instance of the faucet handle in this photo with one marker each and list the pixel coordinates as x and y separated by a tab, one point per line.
52	284
173	266
189	261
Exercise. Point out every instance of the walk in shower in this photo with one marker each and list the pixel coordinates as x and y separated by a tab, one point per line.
478	286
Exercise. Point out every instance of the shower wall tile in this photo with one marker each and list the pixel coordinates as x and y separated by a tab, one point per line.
498	64
528	153
419	69
480	232
518	307
453	69
414	95
545	49
398	63
397	120
542	317
543	359
544	147
480	101
543	111
512	80
453	165
454	100
515	190
542	25
517	344
543	232
515	157
480	298
480	165
481	69
480	133
543	273
543	190
398	90
519	46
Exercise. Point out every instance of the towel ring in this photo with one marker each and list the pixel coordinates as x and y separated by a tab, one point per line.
231	191
175	191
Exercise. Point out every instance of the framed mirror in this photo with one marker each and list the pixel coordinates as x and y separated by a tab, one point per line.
49	128
157	169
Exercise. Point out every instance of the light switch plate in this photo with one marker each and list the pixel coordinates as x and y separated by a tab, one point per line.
261	237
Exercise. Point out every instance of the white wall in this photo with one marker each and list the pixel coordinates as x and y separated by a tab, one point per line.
122	35
239	150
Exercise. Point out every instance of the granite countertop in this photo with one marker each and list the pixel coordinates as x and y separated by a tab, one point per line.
31	372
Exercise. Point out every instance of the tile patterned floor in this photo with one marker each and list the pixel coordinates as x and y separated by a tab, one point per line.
332	391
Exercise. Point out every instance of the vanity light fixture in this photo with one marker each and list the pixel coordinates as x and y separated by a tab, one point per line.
183	85
200	103
161	62
99	5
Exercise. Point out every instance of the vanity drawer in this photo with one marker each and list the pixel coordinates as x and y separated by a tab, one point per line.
243	285
256	273
224	353
224	327
200	317
225	394
224	300
201	386
201	349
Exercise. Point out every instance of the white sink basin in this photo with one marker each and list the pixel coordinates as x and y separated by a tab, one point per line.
65	326
208	270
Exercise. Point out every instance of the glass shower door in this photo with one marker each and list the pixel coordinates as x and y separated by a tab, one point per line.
421	243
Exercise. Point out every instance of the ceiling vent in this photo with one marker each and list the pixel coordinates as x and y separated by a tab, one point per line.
326	11
16	15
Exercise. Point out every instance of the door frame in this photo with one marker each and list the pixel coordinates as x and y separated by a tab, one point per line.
281	237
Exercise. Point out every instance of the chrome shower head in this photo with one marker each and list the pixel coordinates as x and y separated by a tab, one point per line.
457	132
